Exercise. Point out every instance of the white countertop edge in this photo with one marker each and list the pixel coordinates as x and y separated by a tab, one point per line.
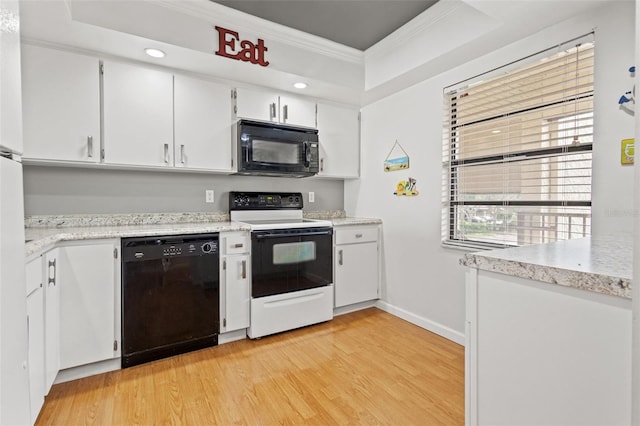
349	221
601	265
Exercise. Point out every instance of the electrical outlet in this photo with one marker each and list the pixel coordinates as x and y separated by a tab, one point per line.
208	196
312	197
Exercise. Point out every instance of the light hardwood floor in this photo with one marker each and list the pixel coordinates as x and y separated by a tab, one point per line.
366	367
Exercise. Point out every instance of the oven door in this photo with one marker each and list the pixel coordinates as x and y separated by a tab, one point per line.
287	260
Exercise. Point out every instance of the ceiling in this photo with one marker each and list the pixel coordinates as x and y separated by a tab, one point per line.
354	23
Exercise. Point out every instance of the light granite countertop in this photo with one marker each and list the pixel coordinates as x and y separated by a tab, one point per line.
349	221
42	238
597	264
43	232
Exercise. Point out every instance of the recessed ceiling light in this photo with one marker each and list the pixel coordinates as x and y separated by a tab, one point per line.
495	132
300	85
154	53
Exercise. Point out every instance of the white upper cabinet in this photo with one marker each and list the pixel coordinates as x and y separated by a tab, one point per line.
138	115
339	136
10	99
298	111
270	106
256	104
61	105
203	120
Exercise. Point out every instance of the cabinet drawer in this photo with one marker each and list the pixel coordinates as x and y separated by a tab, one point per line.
236	244
360	234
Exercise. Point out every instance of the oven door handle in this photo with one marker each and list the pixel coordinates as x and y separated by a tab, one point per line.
271	234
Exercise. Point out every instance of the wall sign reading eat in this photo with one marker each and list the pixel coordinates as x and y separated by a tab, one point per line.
230	46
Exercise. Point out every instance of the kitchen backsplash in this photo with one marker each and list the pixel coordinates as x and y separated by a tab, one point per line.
72	191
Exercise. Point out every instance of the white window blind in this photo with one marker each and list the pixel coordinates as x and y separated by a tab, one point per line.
517	153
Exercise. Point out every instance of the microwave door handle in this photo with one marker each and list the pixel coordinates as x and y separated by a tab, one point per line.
307	154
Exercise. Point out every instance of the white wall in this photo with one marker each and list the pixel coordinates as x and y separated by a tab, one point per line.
423	281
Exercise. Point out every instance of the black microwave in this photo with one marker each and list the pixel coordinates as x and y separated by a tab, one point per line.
271	149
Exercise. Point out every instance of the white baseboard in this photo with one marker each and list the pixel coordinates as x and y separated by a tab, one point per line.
232	336
87	370
427	324
352	308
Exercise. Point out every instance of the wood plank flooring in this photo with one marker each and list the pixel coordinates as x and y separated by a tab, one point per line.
366	367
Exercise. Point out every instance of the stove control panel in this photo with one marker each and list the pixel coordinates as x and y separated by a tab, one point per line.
265	200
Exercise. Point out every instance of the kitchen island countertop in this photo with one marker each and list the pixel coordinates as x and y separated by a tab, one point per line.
600	264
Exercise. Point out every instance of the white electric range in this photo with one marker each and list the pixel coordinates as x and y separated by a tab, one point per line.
291	262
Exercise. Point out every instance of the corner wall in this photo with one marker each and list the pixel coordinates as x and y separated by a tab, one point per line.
422	281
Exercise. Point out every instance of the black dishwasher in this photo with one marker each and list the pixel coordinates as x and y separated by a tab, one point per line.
170	296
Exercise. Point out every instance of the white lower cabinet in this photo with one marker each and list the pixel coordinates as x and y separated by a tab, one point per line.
88	292
72	311
51	317
545	354
35	323
356	264
235	284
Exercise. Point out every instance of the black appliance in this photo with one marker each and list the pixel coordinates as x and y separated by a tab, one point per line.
170	296
276	149
287	260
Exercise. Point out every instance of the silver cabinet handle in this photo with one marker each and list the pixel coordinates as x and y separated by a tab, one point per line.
340	259
272	110
182	154
285	113
244	269
52	276
90	146
358	235
166	153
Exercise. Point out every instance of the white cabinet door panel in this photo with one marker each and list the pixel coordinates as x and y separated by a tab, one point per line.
237	292
10	98
297	111
138	115
61	105
87	304
256	104
35	321
51	317
339	136
356	273
203	119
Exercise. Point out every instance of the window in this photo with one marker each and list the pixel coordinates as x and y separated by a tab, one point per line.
517	152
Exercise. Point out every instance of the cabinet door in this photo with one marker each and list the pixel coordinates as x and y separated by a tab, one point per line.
51	317
237	292
339	136
356	273
61	105
87	304
10	97
297	111
138	115
203	119
256	104
35	323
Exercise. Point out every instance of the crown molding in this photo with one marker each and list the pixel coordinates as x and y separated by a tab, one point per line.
440	11
219	14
